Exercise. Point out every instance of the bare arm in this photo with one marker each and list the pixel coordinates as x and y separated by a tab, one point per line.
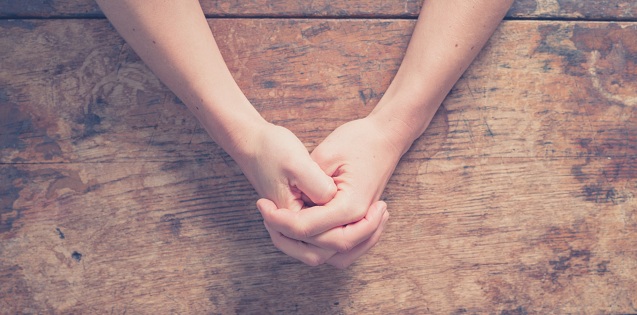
173	38
361	155
448	36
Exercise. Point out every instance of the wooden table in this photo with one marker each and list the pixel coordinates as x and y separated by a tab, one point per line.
519	199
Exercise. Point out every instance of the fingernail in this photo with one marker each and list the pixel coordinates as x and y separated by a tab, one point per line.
382	207
259	208
263	204
331	186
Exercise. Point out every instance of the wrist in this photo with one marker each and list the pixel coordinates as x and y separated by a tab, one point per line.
245	140
232	123
402	120
394	130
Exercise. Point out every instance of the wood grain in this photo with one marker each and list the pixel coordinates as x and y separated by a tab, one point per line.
520	197
525	9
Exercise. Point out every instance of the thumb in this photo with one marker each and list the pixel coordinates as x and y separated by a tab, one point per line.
314	183
265	206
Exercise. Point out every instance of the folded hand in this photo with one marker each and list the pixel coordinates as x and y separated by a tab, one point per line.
360	158
280	168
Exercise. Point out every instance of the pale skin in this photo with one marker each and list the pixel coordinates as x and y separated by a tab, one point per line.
448	36
343	177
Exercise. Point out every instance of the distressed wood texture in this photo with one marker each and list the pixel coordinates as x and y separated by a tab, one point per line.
519	199
571	9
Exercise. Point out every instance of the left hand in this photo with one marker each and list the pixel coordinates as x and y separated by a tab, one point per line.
361	157
280	168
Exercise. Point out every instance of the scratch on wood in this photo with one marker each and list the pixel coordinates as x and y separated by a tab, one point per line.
119	60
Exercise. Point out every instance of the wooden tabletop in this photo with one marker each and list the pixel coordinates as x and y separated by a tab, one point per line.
520	198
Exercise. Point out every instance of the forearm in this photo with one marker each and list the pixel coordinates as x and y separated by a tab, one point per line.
175	41
448	36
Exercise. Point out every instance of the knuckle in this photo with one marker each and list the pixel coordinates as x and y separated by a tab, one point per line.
300	231
293	168
343	246
358	213
313	260
276	243
385	218
341	264
326	193
321	156
268	218
296	164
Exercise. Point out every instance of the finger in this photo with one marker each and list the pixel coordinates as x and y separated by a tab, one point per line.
313	182
345	238
304	224
307	201
291	202
344	260
266	205
307	253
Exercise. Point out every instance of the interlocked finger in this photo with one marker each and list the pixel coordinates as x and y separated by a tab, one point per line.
307	253
343	260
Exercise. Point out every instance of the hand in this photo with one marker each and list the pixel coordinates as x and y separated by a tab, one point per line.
374	223
280	168
361	158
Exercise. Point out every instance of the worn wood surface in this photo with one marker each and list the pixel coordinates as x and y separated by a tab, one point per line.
519	198
570	9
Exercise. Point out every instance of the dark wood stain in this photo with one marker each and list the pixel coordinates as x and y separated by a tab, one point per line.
315	30
13	124
585	10
12	181
518	199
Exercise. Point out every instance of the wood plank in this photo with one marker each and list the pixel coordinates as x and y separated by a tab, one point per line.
520	198
99	103
162	235
571	9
